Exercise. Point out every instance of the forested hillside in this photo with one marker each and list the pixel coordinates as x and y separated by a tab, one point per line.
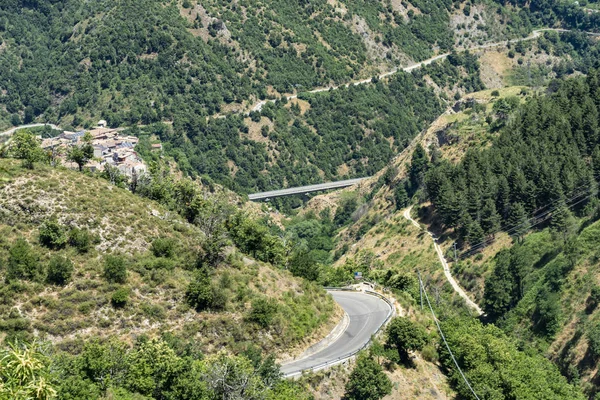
548	157
145	61
168	65
345	133
508	162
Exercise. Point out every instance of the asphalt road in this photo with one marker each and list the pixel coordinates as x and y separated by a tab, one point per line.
304	189
367	313
13	130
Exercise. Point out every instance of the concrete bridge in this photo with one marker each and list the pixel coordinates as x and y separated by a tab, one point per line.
304	189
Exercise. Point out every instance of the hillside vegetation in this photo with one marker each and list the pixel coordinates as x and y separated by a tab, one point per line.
153	60
85	259
538	288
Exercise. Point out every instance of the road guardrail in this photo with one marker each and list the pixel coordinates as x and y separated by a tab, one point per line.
346	357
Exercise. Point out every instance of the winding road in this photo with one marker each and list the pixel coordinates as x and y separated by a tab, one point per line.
534	35
367	315
13	130
445	266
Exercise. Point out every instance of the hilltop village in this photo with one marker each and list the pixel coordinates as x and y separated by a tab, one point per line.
110	149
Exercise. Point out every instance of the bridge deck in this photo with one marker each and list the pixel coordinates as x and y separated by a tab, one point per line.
304	189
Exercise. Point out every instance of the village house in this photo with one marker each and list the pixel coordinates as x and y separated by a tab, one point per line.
110	149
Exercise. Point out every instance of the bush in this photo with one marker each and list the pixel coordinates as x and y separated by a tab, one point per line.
263	311
367	381
53	235
120	297
495	93
60	270
163	247
115	269
199	293
404	336
203	295
23	262
303	265
80	239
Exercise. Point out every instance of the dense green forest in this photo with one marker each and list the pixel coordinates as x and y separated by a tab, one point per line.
136	62
361	127
106	59
545	158
570	15
335	50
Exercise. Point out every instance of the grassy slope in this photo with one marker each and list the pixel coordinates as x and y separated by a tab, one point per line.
127	223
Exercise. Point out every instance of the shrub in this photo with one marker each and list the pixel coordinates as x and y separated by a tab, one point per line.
495	93
115	269
199	293
80	239
303	265
23	262
263	311
60	270
162	263
154	311
120	297
53	235
367	381
404	336
163	247
203	295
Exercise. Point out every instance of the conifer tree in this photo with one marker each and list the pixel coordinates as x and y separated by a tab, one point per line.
490	219
518	220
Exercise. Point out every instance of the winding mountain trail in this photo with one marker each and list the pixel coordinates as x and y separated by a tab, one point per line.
534	35
445	266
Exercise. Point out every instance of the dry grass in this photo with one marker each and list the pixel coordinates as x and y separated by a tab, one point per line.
128	224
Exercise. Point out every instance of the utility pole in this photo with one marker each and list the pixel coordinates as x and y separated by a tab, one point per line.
420	289
454	245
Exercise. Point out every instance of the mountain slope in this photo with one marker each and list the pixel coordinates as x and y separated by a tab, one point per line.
538	287
161	253
146	61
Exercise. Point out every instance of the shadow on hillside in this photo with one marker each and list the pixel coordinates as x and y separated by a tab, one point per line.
428	216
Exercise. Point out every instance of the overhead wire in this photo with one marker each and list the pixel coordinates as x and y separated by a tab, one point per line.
534	220
444	339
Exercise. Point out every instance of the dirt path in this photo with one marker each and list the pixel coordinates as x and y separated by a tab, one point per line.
449	276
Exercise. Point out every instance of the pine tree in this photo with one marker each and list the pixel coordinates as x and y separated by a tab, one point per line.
475	234
418	166
518	220
562	221
499	287
596	163
401	197
503	197
490	219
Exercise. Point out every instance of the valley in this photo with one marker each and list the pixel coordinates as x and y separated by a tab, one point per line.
282	199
